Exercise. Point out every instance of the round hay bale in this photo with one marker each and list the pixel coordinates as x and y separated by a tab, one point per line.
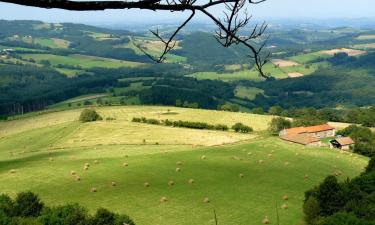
203	157
241	175
269	155
191	181
146	184
96	162
284	206
306	177
73	173
178	169
266	220
163	199
297	154
286	163
125	165
113	184
78	178
206	200
171	183
50	159
12	171
285	197
86	168
273	151
260	161
178	163
93	190
87	165
250	153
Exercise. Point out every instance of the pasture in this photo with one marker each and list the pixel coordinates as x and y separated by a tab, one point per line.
83	61
189	173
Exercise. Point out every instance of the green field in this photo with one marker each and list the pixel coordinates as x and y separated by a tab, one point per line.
43	150
83	61
247	92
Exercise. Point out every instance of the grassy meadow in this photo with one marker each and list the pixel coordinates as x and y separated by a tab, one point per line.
242	175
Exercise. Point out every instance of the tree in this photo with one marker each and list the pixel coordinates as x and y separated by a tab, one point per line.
71	214
229	29
27	204
275	110
89	115
278	124
239	127
330	196
311	209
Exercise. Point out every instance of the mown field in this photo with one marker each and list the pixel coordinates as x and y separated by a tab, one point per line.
243	176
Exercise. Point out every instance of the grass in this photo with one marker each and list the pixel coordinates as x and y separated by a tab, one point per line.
247	92
240	75
83	61
27	147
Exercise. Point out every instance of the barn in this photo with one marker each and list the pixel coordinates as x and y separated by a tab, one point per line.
343	143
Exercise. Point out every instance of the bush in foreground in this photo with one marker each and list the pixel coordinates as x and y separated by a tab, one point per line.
89	115
239	127
27	209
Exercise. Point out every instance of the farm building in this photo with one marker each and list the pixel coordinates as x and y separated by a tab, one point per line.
303	140
309	136
319	131
344	143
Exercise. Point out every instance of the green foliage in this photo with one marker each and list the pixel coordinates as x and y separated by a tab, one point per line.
347	203
27	209
70	214
311	210
258	110
27	204
275	110
230	107
278	124
363	137
239	127
89	115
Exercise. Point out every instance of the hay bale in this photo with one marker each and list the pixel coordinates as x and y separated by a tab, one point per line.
249	153
178	163
306	177
273	151
284	206
78	178
260	161
178	169
50	159
297	154
285	197
203	157
12	171
163	199
206	200
286	163
125	165
269	155
96	162
191	181
86	168
146	184
73	173
87	165
113	184
241	175
265	220
171	183
93	190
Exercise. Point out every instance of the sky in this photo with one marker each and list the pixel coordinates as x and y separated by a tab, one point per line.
271	9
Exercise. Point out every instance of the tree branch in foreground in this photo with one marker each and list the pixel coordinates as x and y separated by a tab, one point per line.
230	27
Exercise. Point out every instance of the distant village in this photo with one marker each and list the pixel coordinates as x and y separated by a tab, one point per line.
315	136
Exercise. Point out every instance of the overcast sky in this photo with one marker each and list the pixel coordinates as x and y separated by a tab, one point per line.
272	9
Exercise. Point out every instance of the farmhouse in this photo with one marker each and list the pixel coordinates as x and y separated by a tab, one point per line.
344	143
319	131
309	136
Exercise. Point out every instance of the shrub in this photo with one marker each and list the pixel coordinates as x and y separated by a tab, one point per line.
311	209
278	124
136	120
71	214
222	127
89	115
239	127
105	217
27	204
6	205
153	121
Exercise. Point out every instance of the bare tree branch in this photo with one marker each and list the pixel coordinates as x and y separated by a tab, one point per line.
230	28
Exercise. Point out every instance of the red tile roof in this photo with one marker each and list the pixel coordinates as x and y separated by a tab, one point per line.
345	141
312	129
300	139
